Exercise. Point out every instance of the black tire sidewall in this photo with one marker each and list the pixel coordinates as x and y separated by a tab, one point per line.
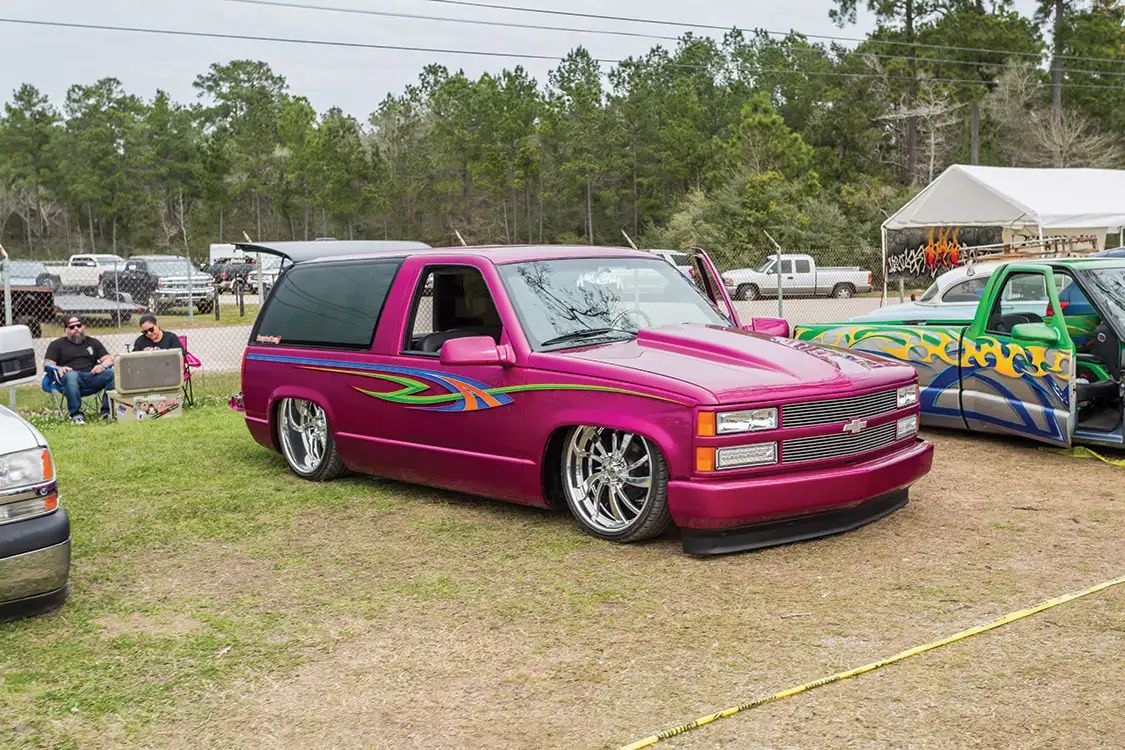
330	465
656	506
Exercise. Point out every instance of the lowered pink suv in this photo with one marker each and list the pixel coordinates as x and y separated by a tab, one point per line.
597	379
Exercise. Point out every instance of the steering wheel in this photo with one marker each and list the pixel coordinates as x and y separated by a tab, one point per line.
643	316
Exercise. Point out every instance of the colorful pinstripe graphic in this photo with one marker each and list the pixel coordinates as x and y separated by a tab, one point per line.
461	394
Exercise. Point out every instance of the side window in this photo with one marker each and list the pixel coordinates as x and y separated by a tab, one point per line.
327	304
132	266
803	266
83	262
787	266
1022	299
969	290
451	302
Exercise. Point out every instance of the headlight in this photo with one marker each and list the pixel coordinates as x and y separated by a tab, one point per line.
742	456
26	468
906	427
907	396
750	420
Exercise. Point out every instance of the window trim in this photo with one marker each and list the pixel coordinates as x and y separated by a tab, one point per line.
283	278
417	297
999	296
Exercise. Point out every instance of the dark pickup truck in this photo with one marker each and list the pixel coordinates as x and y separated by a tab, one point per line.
230	274
161	282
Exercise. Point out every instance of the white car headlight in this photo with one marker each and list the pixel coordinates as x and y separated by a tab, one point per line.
907	396
749	420
743	456
906	427
26	468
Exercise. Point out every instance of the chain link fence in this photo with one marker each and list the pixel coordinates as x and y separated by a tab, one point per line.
825	285
214	307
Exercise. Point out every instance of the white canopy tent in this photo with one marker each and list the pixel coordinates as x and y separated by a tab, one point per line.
1025	203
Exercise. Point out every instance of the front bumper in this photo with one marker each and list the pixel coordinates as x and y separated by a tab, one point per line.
182	296
742	514
35	565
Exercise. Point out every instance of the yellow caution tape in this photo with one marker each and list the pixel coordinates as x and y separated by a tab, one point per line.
1083	452
669	733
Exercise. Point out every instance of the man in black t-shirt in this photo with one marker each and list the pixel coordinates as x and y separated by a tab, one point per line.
152	337
84	366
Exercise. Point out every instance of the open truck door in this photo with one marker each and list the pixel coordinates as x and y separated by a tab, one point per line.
713	287
1018	368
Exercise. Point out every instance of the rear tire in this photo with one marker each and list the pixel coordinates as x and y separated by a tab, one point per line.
206	306
746	292
843	291
306	440
153	304
615	483
32	323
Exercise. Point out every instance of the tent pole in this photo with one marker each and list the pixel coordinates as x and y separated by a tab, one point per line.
883	232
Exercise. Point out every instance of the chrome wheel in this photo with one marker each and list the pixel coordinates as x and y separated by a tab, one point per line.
608	478
303	430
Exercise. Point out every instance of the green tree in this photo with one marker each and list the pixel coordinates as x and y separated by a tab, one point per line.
27	165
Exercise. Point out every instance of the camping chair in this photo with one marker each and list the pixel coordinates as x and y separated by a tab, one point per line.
190	361
52	385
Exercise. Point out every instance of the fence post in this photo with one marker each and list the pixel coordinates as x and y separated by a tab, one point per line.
7	311
190	291
901	290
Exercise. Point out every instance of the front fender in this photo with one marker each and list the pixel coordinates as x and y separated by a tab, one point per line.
669	429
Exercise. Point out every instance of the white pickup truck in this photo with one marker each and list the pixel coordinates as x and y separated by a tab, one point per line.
83	272
800	277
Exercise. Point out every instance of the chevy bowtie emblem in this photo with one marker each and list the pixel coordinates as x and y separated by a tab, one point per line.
855	426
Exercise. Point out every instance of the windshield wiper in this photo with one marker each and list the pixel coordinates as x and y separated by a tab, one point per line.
589	333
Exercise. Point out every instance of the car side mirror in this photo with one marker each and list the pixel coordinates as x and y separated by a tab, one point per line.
476	350
769	326
1040	333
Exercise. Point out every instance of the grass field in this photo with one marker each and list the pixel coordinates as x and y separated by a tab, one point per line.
220	602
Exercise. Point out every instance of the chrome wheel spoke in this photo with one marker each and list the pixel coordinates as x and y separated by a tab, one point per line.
608	477
304	434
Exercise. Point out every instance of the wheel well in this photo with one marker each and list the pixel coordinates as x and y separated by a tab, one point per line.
550	478
846	284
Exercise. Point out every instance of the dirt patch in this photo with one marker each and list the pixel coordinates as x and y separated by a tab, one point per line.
447	621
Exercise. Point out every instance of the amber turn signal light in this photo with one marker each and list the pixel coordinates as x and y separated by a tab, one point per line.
706	424
704	459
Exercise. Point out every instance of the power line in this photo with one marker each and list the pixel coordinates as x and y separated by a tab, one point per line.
616	32
712	27
480	53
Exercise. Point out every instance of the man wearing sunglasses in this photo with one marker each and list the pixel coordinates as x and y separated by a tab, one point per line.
84	366
153	337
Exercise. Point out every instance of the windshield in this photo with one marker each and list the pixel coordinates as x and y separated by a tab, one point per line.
765	266
582	300
1108	285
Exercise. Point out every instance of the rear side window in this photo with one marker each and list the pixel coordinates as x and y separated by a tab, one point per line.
803	266
327	304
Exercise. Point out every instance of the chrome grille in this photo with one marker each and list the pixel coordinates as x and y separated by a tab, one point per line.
809	413
836	446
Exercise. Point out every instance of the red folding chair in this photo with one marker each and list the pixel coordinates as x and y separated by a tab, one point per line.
190	361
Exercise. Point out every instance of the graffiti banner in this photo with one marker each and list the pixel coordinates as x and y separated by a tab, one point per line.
927	253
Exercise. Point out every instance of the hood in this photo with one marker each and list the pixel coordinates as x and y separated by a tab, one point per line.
950	311
739	367
16	434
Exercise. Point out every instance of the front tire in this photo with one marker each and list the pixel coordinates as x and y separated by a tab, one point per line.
615	483
153	304
306	440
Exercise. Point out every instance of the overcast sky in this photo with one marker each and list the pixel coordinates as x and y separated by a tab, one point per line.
354	79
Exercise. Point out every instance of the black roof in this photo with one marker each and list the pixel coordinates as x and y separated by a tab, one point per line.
311	250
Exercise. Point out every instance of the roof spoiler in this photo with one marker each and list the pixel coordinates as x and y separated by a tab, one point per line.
301	251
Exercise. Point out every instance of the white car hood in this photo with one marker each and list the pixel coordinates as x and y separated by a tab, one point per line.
16	433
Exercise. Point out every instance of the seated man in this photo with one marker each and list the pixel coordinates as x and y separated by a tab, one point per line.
152	337
84	366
